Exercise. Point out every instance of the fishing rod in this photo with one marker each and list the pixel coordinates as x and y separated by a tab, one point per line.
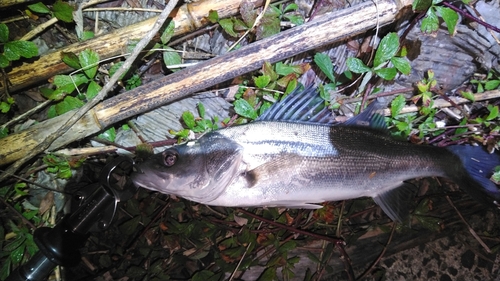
60	245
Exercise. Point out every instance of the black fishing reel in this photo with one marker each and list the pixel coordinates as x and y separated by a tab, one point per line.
60	245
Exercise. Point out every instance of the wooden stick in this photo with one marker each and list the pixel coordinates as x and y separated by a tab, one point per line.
323	30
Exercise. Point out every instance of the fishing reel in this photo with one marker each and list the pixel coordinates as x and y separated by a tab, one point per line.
60	245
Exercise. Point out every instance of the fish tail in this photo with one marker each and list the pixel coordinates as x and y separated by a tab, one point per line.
479	167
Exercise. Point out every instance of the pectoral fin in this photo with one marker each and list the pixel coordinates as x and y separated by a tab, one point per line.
396	203
269	170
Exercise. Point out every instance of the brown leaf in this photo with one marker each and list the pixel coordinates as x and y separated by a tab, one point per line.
47	203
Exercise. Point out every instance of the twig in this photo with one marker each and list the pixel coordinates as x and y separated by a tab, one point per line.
25	115
100	96
486	248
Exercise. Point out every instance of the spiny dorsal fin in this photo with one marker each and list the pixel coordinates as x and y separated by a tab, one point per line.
369	117
304	106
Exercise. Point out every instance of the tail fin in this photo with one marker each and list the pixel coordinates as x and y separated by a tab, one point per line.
479	165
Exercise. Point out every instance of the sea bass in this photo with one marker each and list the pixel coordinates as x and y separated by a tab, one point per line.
294	156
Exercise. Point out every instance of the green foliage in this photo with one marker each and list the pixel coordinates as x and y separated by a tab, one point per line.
489	82
270	23
197	125
14	50
386	63
5	105
431	21
251	102
170	55
66	85
386	53
61	10
109	134
60	165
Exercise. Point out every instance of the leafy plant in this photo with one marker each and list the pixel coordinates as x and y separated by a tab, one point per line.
269	24
196	125
61	10
15	49
431	21
61	166
386	63
489	82
88	62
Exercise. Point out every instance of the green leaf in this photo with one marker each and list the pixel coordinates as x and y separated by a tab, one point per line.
168	32
491	85
4	132
69	103
284	69
357	66
493	112
287	246
92	90
171	57
421	5
25	49
324	63
397	105
63	11
87	34
450	17
387	73
262	81
4	62
430	23
401	64
89	60
39	8
468	95
213	16
290	7
295	19
4	33
227	25
387	49
248	13
4	107
201	110
71	59
109	134
66	85
202	275
269	26
188	119
243	108
268	274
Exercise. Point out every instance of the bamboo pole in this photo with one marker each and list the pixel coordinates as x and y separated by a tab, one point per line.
323	30
188	18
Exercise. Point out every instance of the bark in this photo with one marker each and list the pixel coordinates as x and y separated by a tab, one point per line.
324	30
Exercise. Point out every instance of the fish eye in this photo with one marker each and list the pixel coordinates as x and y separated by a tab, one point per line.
169	158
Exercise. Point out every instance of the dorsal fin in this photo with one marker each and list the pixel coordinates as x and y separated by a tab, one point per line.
304	106
369	117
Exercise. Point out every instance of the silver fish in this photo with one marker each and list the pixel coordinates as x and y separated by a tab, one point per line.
294	157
